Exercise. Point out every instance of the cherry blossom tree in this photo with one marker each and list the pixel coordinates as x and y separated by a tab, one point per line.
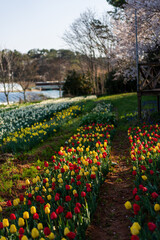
148	34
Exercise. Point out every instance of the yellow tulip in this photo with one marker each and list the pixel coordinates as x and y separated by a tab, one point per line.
60	180
51	236
33	210
135	228
35	233
156	207
34	180
74	191
49	197
53	180
0	209
26	215
5	222
2	238
13	228
40	226
15	202
27	182
21	222
66	231
24	237
144	177
128	205
47	210
36	189
47	185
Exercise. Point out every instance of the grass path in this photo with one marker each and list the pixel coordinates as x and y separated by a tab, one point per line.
110	220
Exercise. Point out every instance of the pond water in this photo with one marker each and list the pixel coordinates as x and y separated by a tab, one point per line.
31	96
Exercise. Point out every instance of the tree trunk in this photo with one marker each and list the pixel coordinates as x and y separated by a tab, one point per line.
7	97
24	92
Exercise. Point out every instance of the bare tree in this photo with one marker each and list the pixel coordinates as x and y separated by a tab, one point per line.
6	71
89	37
25	72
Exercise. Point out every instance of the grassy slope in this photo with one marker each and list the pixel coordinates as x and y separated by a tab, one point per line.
126	102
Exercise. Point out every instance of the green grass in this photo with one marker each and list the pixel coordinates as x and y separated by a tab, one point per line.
126	102
18	105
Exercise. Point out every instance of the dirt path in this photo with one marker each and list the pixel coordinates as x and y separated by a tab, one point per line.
110	221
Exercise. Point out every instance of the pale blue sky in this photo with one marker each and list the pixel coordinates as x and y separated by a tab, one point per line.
28	24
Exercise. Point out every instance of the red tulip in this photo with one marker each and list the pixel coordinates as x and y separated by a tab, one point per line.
83	194
1	225
71	235
53	215
151	226
35	216
47	231
69	215
12	216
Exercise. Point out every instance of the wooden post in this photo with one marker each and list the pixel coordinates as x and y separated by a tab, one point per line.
139	104
158	107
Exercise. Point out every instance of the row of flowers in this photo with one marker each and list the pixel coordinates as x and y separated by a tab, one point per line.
14	120
145	155
101	113
59	202
28	137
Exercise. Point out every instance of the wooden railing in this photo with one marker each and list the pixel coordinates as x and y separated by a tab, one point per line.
149	82
149	76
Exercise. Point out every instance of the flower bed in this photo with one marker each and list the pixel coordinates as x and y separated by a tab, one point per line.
59	203
145	155
14	120
102	113
26	138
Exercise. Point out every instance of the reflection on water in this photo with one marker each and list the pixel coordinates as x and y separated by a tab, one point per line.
31	96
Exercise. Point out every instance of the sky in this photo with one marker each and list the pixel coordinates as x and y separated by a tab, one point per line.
29	24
